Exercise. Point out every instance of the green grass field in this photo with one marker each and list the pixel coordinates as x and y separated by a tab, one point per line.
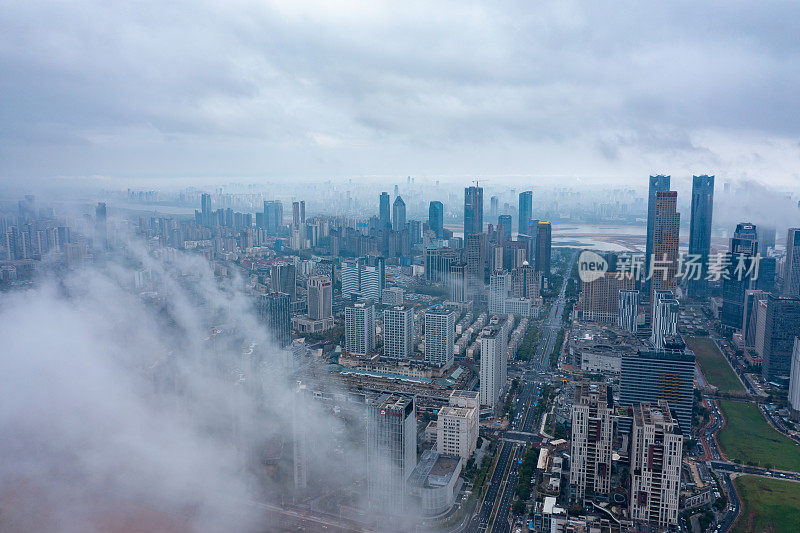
715	368
769	505
748	438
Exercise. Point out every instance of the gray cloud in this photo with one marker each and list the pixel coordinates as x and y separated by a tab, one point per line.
309	89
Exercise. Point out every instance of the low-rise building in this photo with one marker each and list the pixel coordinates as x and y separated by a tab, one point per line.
433	482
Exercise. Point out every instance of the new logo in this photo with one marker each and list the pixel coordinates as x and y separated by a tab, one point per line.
591	266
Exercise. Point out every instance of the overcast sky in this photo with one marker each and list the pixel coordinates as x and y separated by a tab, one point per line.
238	89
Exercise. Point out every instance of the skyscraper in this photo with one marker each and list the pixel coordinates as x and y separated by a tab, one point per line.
274	310
499	287
592	435
543	248
494	206
743	246
750	314
391	451
656	452
791	265
473	210
436	219
666	374
700	230
283	278
628	310
781	326
504	227
657	183
101	229
399	214
457	282
525	211
665	317
599	298
398	332
475	246
440	326
359	328
205	209
385	210
493	363
365	276
664	245
794	378
320	297
273	216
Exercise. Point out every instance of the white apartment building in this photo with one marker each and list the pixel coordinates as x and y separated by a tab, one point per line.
493	365
457	426
656	450
592	435
398	332
359	328
440	324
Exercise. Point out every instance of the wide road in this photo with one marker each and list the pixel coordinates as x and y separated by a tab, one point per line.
480	521
552	323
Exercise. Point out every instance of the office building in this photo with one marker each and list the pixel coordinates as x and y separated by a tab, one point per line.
504	228
543	248
499	287
457	283
283	278
274	311
492	365
433	482
791	265
743	246
750	314
665	314
794	379
436	219
475	251
781	326
457	425
656	453
205	209
700	231
525	282
100	226
398	332
666	226
767	272
298	214
365	276
391	452
628	310
473	211
438	262
666	374
399	214
440	324
599	298
359	328
320	297
273	217
494	206
657	183
592	436
384	210
525	211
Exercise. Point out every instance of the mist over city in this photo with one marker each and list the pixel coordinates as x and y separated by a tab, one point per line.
372	267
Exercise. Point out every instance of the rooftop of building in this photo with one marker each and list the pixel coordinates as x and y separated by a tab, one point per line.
456	412
434	469
648	414
471	394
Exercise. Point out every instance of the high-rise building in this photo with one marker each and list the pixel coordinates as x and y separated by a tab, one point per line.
656	453
436	219
457	425
399	214
592	436
767	271
743	246
700	230
273	217
666	226
365	276
475	248
440	324
543	248
525	211
665	318
781	326
492	365
359	328
504	227
599	298
391	452
398	332
794	378
298	214
393	296
628	310
101	229
438	262
274	311
666	374
473	211
385	210
525	282
750	314
205	209
494	206
320	297
457	283
283	277
499	287
657	184
791	265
